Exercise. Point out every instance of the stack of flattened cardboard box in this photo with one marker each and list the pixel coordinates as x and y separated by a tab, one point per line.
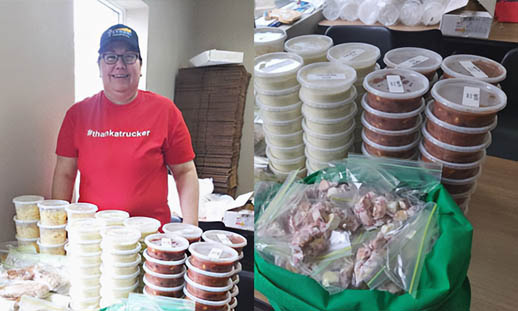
212	101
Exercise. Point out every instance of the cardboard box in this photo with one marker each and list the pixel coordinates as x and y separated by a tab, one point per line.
239	217
469	24
217	57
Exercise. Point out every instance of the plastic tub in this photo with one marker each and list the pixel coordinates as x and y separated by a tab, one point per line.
23	242
314	165
52	212
118	268
326	82
52	234
285	152
27	207
400	152
207	278
312	48
84	246
421	60
82	293
213	257
277	71
146	225
462	198
330	110
120	238
166	247
52	249
207	292
275	113
164	267
164	280
27	229
234	291
279	98
87	275
268	40
451	106
86	229
83	258
456	135
455	154
328	140
80	210
238	267
117	292
282	127
116	256
408	97
233	303
361	56
453	170
235	279
473	67
390	138
328	154
207	305
282	174
285	165
118	280
153	290
284	140
455	186
190	232
112	217
86	304
329	126
365	152
232	239
391	121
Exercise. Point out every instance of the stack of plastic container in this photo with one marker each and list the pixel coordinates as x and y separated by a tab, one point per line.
329	109
80	210
208	281
362	57
26	220
457	132
473	67
191	232
277	97
165	258
120	263
108	218
392	113
312	48
53	220
268	40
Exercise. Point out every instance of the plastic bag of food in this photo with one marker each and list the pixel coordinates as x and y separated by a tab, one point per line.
139	302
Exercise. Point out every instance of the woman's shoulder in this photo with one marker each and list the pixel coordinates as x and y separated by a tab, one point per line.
157	100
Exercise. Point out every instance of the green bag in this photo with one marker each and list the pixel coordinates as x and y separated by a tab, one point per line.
443	284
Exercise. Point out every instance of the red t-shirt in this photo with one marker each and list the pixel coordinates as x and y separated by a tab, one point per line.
122	151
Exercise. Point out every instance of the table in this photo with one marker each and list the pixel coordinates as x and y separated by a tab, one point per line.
493	212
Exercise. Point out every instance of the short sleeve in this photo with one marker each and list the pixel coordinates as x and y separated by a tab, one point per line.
178	147
66	146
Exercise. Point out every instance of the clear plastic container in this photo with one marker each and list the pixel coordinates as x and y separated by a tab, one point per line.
473	67
28	243
232	239
433	11
395	90
268	40
51	249
391	121
153	290
26	229
162	266
87	229
118	280
391	138
235	279
207	292
112	217
328	154
234	291
83	293
284	140
285	152
451	106
86	304
283	127
278	98
146	225
277	71
190	232
285	164
400	152
80	210
120	238
368	12
389	11
331	9
113	293
276	113
208	305
361	56
117	268
326	82
421	60
233	303
329	126
349	10
83	258
328	140
84	246
164	280
166	247
456	186
84	275
312	48
27	207
213	257
453	170
411	12
283	174
330	110
52	234
315	165
116	256
52	212
207	278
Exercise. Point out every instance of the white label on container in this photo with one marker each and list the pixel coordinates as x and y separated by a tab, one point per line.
471	96
224	239
413	61
166	242
215	253
277	64
329	76
352	54
473	70
394	84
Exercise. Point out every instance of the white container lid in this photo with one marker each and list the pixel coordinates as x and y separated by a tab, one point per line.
167	242
349	116
239	266
452	66
209	288
206	302
328	136
277	108
24	222
287	91
107	277
81	208
109	250
325	76
228	238
335	149
282	122
160	288
208	273
302	171
459	129
214	252
81	254
435	141
56	227
282	161
391	115
414	83
105	290
120	235
450	92
309	45
268	35
390	148
458	166
112	215
28	199
417	59
143	224
355	54
53	204
235	291
186	230
284	149
233	305
286	136
84	225
164	262
107	264
392	133
321	105
164	276
277	64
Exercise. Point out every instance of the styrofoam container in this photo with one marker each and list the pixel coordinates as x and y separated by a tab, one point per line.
279	98
112	217
277	71
284	140
285	165
328	154
286	152
329	110
80	210
324	81
421	60
329	126
328	140
312	48
361	56
283	127
27	207
276	113
268	40
486	70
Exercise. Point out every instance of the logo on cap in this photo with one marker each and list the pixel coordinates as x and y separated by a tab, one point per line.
124	32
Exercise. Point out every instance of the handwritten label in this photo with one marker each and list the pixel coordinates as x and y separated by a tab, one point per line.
329	76
166	242
394	84
352	54
215	253
414	61
471	96
277	64
473	69
224	239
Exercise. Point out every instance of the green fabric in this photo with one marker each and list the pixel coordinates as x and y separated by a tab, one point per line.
443	284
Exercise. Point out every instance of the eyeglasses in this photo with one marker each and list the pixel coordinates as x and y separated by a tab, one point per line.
112	58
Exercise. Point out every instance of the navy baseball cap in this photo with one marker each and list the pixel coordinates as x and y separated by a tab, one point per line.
122	33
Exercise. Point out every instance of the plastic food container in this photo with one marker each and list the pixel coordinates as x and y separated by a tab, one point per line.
84	246
453	170
400	152
285	152
164	280
452	106
237	266
282	175
113	293
276	113
279	98
52	234
213	257
207	292
80	210
461	198
207	305
455	186
268	40
153	290
163	267
312	48
329	126
52	249
52	212
391	121
326	82
330	110
365	152
285	165
86	304
314	165
395	90
112	217
234	291
235	279
166	247
27	229
421	60
117	268
27	207
282	127
232	239
116	256
328	154
361	56
207	278
120	238
455	154
473	67
328	140
82	293
391	138
284	140
23	242
87	229
190	232
118	280
83	258
277	71
233	303
456	135
85	275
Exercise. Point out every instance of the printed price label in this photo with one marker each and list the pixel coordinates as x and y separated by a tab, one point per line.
215	253
471	96
394	84
473	69
224	239
277	64
352	54
414	61
330	76
166	242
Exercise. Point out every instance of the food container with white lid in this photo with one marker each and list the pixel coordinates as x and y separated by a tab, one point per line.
314	165
326	82
111	293
168	247
285	152
279	113
93	246
391	121
400	152
366	153
88	275
82	293
207	292
27	207
204	304
117	268
329	126
118	280
86	304
153	290
164	280
213	257
312	48
52	249
473	67
330	110
83	258
277	71
284	140
112	217
232	239
162	266
285	164
391	138
28	243
395	90
208	278
283	174
361	56
328	140
52	212
455	186
278	98
80	210
27	229
467	102
52	234
421	60
86	229
120	238
116	256
191	232
450	169
283	127
235	279
268	40
237	265
328	154
146	225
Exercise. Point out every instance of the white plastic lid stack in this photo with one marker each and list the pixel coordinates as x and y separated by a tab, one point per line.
309	46
167	242
474	67
188	231
450	92
269	36
326	77
355	54
413	83
53	204
421	60
205	251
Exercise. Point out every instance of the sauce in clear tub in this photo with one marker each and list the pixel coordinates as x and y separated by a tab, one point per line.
112	217
121	268
276	113
451	153
52	249
232	239
473	67
52	212
395	90
164	280
153	290
467	102
27	229
52	234
450	169
328	140
312	48
328	154
120	238
285	165
391	121
285	152
27	207
110	255
400	152
190	232
421	60
207	278
391	138
238	267
86	229
213	257
456	186
146	225
268	40
365	152
330	110
278	98
456	135
167	247
208	305
80	210
207	292
361	56
163	267
329	126
118	280
283	127
277	71
284	140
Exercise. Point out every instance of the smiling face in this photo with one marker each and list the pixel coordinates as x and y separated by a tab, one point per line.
120	80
